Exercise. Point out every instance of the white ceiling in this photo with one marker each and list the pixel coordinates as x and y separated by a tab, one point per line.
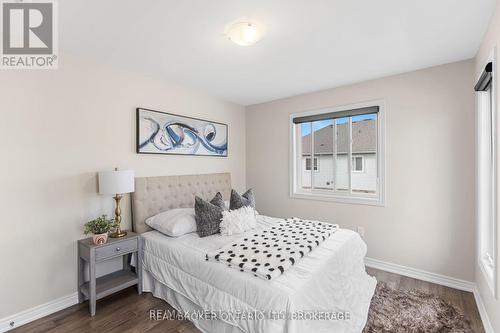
309	45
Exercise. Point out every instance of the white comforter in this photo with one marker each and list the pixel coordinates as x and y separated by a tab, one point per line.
331	278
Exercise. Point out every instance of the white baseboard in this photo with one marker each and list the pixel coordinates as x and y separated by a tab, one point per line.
37	312
421	275
488	328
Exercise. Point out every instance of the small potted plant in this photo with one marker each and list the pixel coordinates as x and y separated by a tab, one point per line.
99	228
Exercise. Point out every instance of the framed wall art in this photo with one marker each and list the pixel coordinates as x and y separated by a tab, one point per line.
166	133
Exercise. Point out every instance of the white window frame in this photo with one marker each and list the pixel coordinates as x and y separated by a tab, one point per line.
362	164
336	196
488	267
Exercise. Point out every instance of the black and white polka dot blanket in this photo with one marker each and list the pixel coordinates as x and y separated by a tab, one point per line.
269	252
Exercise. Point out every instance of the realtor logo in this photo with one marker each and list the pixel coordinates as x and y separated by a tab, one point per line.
29	39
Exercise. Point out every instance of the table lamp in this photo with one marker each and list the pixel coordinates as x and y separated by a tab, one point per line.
117	183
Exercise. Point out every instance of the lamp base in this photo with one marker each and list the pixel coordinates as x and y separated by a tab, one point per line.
118	234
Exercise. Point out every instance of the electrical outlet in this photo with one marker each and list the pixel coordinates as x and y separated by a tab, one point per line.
361	231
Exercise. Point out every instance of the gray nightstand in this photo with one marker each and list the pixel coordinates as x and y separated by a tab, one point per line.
106	285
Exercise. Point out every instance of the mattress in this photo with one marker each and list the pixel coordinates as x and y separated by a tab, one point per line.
327	291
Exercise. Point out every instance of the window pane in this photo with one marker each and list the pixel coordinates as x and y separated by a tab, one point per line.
364	152
323	154
304	151
357	163
342	150
485	178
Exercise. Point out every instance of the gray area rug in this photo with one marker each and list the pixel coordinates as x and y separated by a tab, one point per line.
413	311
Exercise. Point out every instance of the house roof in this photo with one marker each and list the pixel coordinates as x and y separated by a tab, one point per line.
364	138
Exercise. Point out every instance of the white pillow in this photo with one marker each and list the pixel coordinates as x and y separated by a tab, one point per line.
174	222
237	221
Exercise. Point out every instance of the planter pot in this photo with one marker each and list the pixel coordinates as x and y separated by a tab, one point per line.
100	238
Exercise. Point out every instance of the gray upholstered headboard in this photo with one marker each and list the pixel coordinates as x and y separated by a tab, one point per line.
157	194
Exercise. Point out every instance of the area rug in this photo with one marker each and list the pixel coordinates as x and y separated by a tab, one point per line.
413	311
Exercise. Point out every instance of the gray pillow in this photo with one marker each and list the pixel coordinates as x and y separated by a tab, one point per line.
208	215
218	200
238	201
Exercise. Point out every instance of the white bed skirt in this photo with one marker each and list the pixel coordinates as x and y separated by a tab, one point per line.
183	304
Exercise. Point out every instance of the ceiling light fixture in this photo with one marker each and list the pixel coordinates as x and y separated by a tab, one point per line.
244	33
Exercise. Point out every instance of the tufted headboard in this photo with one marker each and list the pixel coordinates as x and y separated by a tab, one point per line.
157	194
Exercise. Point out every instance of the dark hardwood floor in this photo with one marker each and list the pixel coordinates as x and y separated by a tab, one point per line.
128	312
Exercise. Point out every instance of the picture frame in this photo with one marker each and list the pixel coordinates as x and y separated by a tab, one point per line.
164	133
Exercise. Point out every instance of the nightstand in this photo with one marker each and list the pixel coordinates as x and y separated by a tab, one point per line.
97	288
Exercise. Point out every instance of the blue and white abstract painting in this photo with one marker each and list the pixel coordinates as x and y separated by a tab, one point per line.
165	133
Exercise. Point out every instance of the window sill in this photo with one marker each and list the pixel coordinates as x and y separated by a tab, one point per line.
355	200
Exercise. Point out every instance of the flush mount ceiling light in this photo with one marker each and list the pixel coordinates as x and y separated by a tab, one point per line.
244	33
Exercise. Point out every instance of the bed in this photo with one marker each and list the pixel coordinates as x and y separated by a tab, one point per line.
326	291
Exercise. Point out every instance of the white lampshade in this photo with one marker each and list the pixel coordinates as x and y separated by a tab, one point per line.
116	182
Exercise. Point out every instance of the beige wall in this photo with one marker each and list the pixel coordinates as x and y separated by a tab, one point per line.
428	220
491	40
57	129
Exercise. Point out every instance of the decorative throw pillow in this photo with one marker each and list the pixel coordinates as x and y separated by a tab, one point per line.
218	200
237	201
237	221
208	215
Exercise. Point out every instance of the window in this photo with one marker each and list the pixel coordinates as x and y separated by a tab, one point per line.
308	164
357	164
487	176
348	144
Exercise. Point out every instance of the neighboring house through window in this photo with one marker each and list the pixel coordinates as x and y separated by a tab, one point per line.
308	164
357	164
347	143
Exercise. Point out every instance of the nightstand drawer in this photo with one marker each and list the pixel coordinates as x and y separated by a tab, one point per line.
115	249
